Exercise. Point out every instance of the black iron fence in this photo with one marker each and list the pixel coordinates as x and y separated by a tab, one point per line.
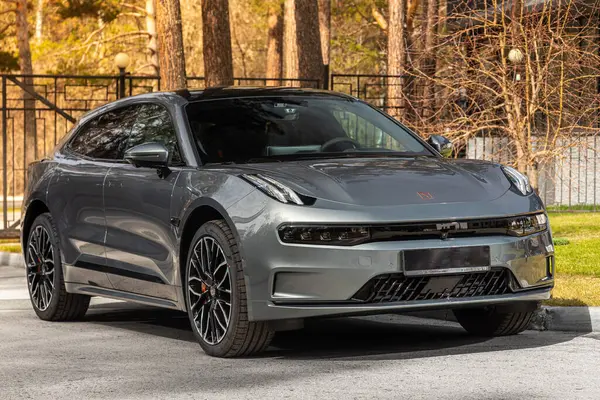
375	89
38	110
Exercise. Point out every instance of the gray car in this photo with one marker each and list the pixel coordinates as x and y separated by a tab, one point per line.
253	209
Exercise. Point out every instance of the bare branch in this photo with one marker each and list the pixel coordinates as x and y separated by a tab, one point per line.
379	18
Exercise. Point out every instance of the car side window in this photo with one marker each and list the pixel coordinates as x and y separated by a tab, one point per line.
104	137
154	124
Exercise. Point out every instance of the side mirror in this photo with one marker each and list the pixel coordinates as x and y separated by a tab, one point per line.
441	144
151	155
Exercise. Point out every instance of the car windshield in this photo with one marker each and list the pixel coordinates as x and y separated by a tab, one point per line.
275	128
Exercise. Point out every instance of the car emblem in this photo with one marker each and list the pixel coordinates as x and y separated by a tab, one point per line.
450	226
425	195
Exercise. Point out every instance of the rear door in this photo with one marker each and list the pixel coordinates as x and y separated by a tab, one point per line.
76	194
140	242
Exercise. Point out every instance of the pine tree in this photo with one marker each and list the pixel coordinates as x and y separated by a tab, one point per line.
171	57
218	62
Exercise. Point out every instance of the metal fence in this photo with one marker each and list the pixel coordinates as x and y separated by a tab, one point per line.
569	181
38	110
374	89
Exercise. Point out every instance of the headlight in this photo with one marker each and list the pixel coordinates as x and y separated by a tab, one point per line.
527	225
275	189
518	179
329	235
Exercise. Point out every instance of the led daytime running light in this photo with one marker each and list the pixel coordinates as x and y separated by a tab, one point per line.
274	189
325	235
519	180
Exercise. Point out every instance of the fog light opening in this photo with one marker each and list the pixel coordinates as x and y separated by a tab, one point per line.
550	267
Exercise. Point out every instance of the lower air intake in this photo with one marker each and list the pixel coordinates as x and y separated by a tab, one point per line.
397	287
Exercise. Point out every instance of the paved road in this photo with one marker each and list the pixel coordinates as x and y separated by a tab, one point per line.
126	351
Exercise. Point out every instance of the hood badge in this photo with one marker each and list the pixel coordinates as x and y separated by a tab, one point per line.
425	195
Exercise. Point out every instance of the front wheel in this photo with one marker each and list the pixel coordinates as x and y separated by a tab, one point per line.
215	294
496	321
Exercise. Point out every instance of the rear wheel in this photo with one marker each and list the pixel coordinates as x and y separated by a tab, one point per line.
45	281
495	320
216	295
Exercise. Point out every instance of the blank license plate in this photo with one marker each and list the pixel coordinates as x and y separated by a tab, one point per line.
452	260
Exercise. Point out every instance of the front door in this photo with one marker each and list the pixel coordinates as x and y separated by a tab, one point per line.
140	240
77	195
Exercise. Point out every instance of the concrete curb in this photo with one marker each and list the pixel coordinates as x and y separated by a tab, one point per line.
567	319
11	259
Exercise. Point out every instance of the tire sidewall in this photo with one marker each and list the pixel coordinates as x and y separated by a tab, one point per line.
214	231
45	220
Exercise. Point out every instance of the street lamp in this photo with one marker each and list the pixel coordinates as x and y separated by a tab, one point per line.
515	56
122	62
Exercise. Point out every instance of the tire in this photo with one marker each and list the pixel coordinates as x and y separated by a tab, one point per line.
45	281
494	321
221	330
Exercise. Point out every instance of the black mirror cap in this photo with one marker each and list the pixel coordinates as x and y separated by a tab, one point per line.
150	155
441	144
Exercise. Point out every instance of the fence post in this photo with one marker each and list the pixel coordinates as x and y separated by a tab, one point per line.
326	76
121	83
4	155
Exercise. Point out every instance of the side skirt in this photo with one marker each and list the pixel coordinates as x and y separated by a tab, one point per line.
119	295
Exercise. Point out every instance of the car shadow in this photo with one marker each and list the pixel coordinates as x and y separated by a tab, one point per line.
372	338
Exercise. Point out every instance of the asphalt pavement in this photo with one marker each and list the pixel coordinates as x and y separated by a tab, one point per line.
126	351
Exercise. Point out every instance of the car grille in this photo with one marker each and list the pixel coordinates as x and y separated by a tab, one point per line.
397	287
447	229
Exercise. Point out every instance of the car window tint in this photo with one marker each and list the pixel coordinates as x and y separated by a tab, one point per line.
105	137
247	128
153	124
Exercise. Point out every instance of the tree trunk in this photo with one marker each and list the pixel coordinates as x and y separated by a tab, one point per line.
152	42
39	20
26	67
428	63
100	46
218	62
310	59
171	57
275	43
413	46
290	47
325	33
396	57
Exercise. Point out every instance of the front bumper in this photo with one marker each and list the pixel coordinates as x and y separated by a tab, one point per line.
303	281
289	281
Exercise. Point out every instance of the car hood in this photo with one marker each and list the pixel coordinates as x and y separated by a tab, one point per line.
389	181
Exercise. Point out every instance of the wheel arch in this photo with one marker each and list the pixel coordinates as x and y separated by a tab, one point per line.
197	214
34	209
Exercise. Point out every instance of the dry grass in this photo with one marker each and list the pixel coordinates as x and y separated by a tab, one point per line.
10	247
575	290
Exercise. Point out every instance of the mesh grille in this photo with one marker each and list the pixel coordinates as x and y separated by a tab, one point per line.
397	287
